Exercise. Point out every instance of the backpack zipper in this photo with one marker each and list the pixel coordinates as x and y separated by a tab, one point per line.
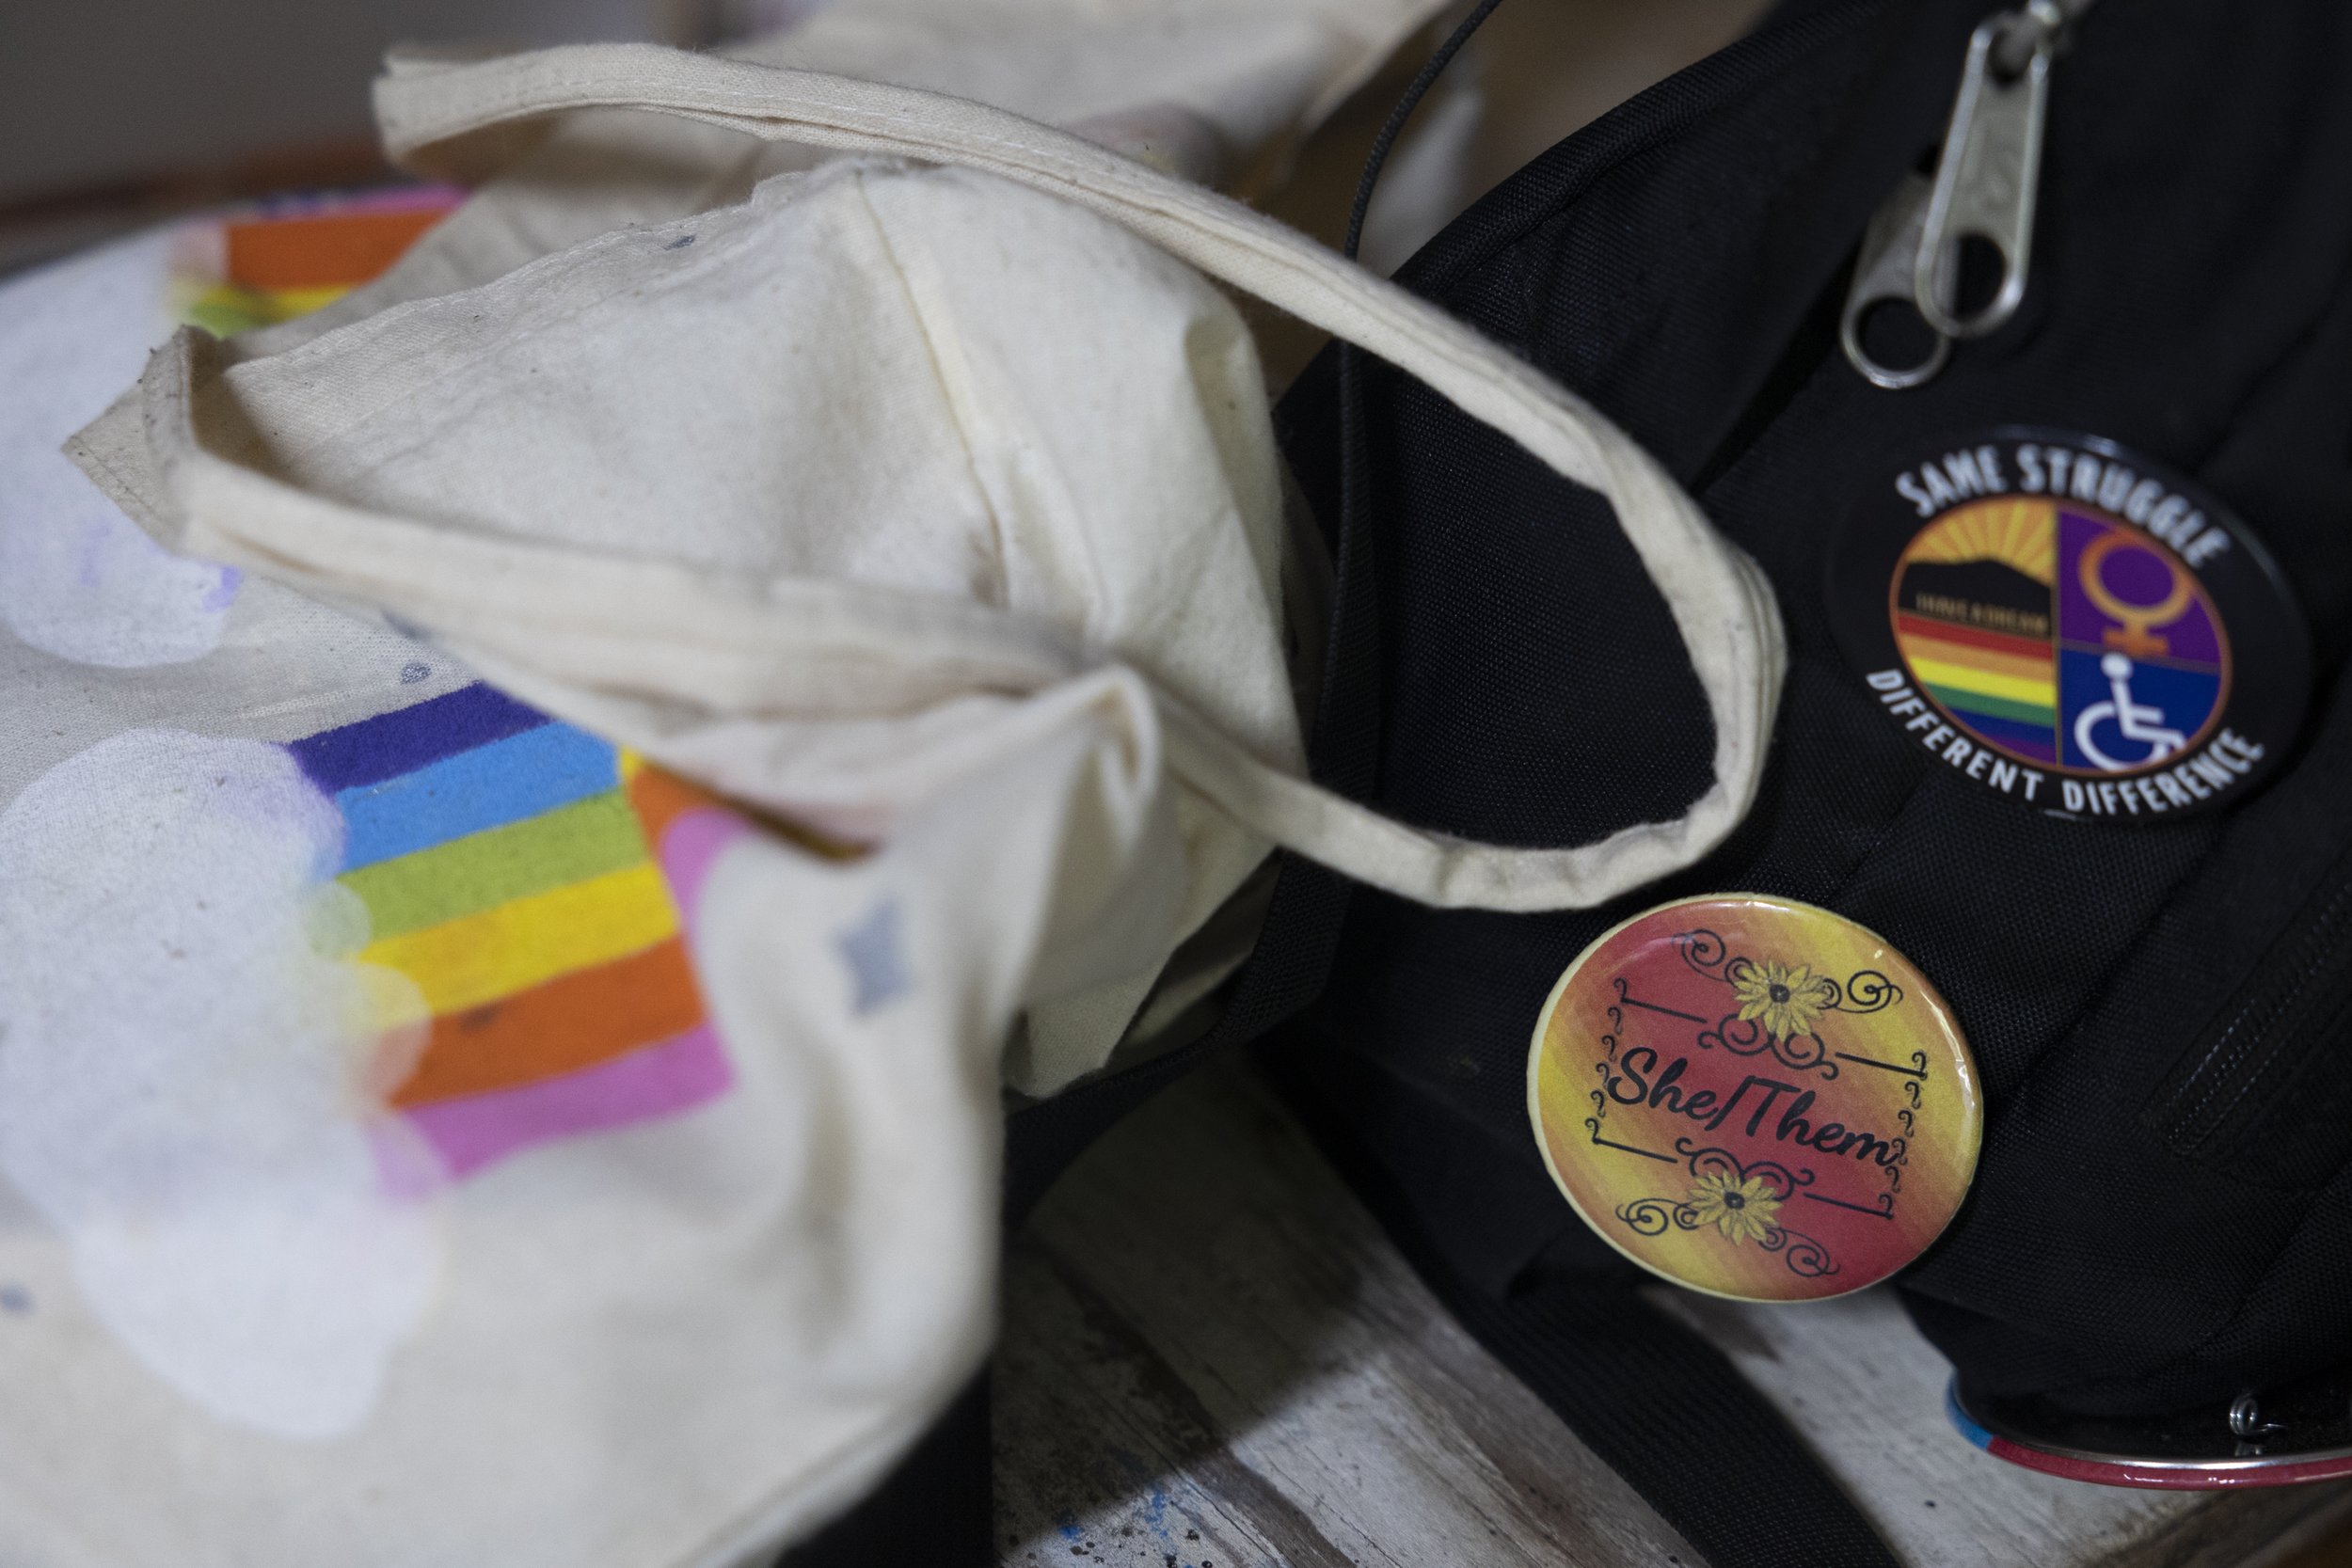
1987	182
2298	1001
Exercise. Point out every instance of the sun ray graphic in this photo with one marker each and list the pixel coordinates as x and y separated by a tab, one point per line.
2019	534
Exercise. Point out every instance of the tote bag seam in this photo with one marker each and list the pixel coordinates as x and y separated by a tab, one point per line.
695	267
999	535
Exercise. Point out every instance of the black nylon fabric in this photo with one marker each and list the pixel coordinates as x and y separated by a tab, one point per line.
1652	1397
1282	974
1681	262
936	1506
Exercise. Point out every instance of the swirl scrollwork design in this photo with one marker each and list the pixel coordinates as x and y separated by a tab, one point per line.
1741	1200
1741	1036
1864	991
1749	1038
1778	1001
1805	1258
1703	951
1869	991
1648	1216
1710	1161
1894	1167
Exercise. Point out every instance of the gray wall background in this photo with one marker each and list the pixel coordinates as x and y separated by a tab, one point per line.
96	92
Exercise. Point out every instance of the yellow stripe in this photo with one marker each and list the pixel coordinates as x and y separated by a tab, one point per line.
1961	677
480	957
233	302
1936	651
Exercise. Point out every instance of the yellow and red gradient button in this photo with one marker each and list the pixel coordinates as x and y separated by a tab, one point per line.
1755	1098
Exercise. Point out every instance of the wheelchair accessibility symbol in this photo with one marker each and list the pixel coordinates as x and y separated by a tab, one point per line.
2136	722
2071	626
2142	657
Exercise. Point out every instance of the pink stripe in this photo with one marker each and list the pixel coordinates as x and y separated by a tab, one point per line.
408	1166
2123	1472
691	846
403	198
658	1080
394	199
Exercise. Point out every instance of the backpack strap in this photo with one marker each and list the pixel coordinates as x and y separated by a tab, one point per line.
1668	1411
1653	1398
936	1506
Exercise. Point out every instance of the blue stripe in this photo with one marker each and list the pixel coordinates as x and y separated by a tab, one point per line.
407	738
506	781
2009	732
1969	1429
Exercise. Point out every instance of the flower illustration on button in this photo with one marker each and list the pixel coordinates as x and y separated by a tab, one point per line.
1742	1211
1785	1001
1755	1098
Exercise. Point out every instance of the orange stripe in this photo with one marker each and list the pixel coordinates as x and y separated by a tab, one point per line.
1983	658
336	248
1975	637
590	1016
662	798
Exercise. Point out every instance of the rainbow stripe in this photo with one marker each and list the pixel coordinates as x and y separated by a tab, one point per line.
524	876
2156	1475
299	254
2004	686
528	880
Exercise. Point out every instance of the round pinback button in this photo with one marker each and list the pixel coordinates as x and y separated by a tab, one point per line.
2071	626
2282	1436
1755	1098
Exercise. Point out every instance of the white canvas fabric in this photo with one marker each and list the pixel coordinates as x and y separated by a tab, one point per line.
1216	90
927	505
252	468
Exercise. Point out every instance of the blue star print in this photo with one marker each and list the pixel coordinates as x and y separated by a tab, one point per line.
870	948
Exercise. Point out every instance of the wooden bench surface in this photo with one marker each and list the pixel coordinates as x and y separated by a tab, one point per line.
1212	1357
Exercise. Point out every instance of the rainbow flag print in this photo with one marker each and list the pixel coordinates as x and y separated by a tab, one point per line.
296	254
527	878
2003	686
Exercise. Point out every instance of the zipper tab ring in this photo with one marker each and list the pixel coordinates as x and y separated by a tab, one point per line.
1889	271
1988	179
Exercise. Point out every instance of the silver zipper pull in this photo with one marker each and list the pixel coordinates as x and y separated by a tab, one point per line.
1991	171
1887	272
1986	182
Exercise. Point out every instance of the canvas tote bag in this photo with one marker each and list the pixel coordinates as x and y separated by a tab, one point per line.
1022	728
1215	90
1219	91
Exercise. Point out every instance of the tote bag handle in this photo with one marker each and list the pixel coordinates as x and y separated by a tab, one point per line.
1720	602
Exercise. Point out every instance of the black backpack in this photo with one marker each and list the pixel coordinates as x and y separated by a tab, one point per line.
2157	1248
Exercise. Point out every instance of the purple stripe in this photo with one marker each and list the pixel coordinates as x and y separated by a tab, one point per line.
659	1081
411	737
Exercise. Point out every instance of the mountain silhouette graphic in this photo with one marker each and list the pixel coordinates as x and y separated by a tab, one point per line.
1988	594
